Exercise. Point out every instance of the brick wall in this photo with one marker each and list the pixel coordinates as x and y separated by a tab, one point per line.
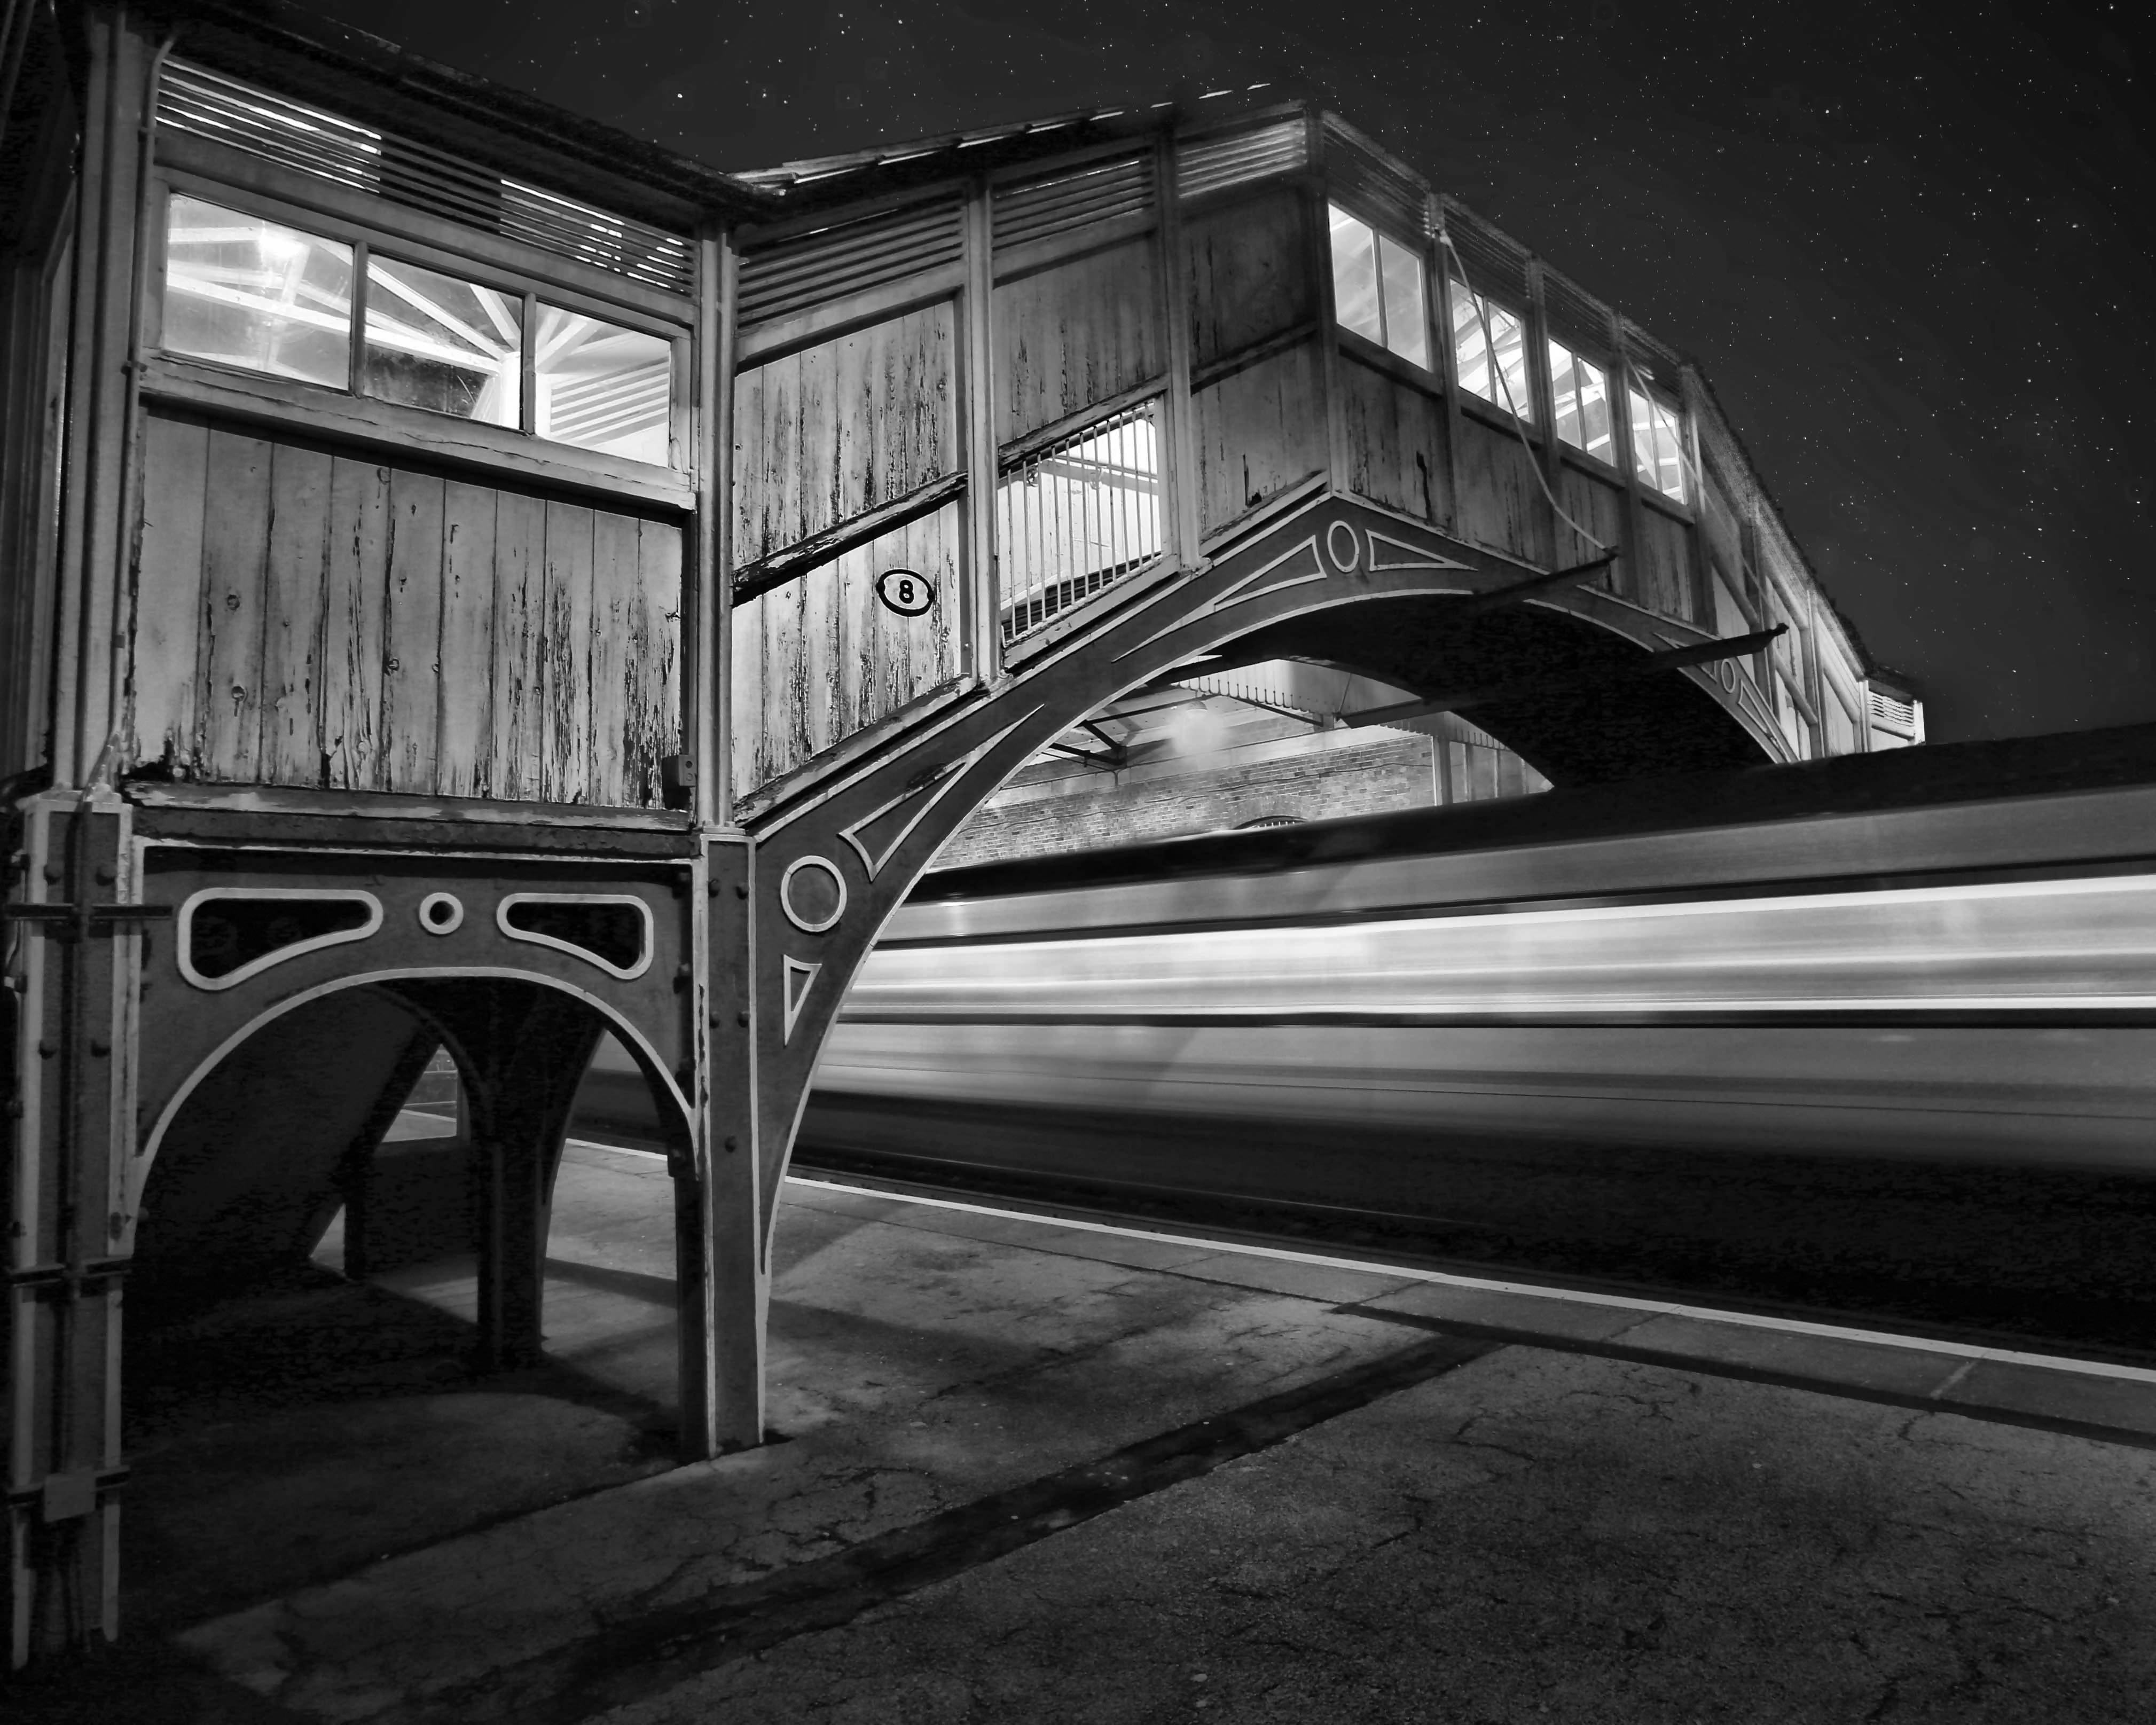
1369	775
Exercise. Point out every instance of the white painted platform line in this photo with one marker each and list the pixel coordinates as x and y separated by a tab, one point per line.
1789	1326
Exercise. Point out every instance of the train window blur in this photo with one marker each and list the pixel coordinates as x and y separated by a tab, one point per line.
1658	445
1581	388
1505	384
1378	288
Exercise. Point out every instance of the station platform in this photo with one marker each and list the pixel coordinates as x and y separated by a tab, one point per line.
1030	1470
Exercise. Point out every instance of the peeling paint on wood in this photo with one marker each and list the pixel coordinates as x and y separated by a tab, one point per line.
309	619
1500	502
822	435
1395	438
1077	334
1250	276
1259	431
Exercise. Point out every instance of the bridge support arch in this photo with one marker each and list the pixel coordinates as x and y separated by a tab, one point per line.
827	867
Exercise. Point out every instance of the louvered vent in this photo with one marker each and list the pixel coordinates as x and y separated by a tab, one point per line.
1102	192
786	279
1651	359
304	140
1893	714
1495	266
1213	163
1359	176
1576	318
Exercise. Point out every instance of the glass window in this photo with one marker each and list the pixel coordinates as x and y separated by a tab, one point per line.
603	388
1407	320
448	345
1355	300
243	291
1378	288
1506	383
1581	388
1658	445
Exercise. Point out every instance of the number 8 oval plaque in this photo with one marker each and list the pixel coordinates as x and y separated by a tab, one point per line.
906	593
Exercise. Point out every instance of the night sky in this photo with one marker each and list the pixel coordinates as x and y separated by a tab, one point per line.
1916	264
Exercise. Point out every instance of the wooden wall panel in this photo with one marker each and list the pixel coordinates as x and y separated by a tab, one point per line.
412	667
1501	500
464	744
821	435
565	651
353	596
519	744
1722	537
1079	333
1665	565
235	559
1395	438
1597	504
820	658
306	619
1259	431
1249	274
168	595
292	621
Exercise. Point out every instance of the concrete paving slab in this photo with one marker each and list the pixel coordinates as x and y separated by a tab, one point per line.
2117	1405
1289	1275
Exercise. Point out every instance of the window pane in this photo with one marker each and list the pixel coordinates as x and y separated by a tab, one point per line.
433	341
247	292
1594	412
1509	336
1468	350
1355	277
1565	386
1643	439
601	387
1407	323
1669	451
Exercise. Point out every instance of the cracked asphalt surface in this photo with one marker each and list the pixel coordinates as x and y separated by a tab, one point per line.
1540	1537
1031	1473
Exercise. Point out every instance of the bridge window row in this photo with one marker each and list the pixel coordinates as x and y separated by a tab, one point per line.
244	291
1380	293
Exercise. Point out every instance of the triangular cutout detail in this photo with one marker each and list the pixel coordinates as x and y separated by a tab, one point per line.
799	977
1414	557
926	797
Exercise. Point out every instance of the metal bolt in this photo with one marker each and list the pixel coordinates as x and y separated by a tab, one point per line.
741	1017
55	874
741	889
97	1046
106	873
732	1142
48	1048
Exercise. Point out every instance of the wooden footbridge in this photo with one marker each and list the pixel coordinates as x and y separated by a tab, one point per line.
474	580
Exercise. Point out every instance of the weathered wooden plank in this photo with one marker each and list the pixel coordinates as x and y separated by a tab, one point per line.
1597	504
412	623
653	717
1249	274
291	751
518	746
235	554
1665	565
1501	499
1259	431
351	670
614	606
821	435
1075	335
464	746
168	615
747	701
565	653
786	738
1395	438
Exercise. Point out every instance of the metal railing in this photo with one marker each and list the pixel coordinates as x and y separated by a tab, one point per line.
1078	516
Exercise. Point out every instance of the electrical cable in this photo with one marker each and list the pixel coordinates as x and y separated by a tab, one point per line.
1490	353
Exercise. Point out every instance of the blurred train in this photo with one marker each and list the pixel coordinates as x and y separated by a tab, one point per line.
1864	1036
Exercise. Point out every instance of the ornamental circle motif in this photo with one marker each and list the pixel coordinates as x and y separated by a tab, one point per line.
441	913
1350	560
1724	672
812	894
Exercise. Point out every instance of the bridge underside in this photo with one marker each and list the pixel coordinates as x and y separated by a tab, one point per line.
1558	689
